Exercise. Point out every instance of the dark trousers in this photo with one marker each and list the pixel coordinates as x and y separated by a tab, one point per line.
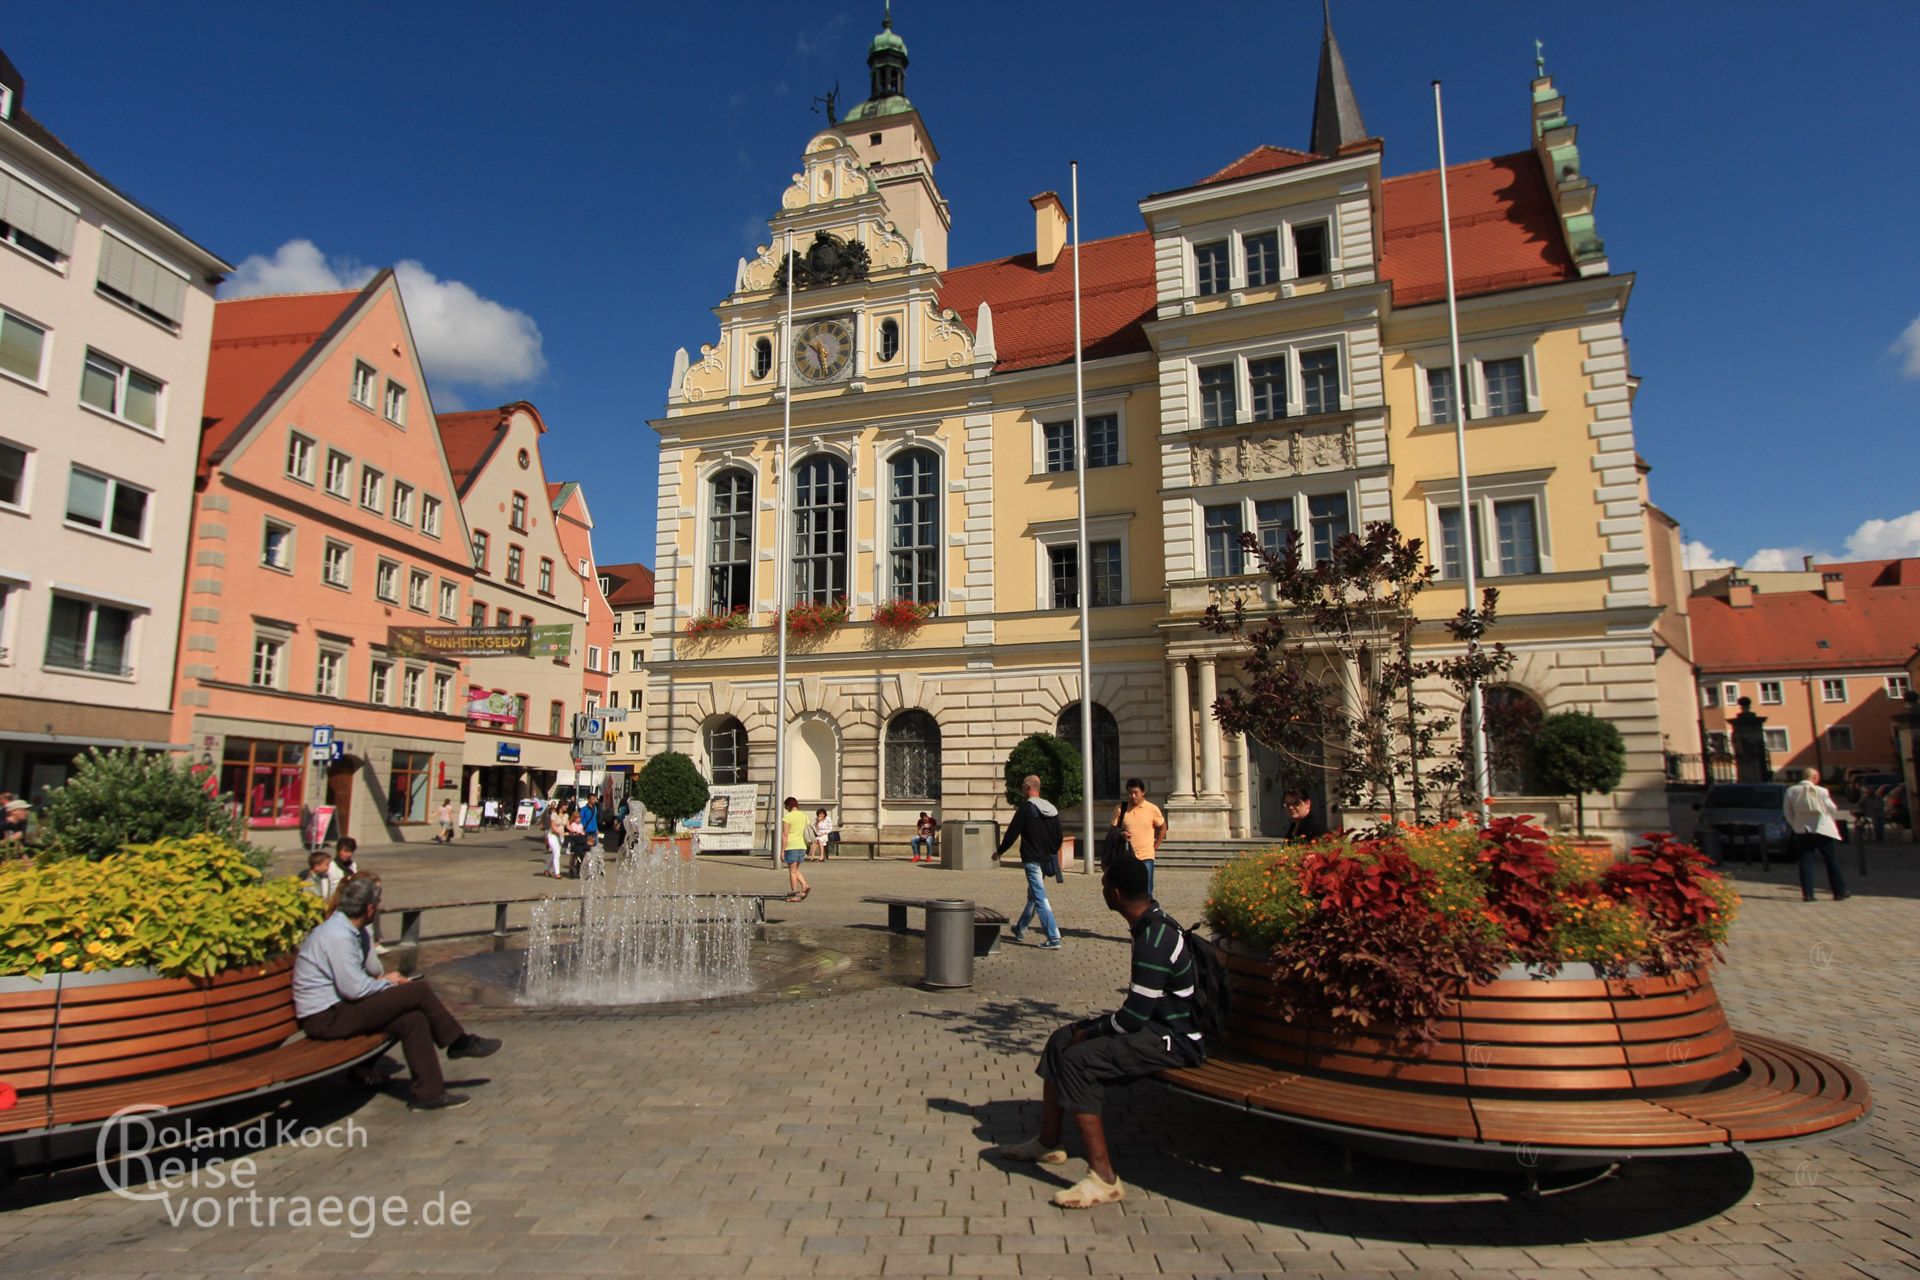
410	1011
1081	1072
1812	847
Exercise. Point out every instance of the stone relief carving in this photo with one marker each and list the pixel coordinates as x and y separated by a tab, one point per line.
1306	451
947	328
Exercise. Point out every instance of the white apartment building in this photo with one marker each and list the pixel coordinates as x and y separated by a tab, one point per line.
106	311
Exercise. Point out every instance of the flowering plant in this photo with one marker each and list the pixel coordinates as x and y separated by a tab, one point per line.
809	620
905	616
719	620
1388	928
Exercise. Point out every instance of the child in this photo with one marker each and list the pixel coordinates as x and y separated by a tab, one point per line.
323	879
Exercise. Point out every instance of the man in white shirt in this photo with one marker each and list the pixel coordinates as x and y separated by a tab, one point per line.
1811	817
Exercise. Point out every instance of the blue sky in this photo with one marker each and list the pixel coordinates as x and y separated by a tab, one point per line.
574	183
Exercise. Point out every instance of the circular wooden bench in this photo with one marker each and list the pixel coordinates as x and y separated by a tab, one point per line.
1532	1074
80	1047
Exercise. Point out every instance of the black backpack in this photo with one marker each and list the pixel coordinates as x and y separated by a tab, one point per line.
1212	987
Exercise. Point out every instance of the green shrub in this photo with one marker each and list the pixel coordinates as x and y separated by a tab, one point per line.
1055	760
1574	753
671	788
128	797
177	906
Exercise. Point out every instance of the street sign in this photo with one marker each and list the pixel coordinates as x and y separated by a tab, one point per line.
323	735
506	752
612	713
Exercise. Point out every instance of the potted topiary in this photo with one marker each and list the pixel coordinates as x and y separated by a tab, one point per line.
1573	753
672	789
1057	764
133	797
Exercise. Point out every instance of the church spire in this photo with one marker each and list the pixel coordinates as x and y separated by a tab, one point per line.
1336	112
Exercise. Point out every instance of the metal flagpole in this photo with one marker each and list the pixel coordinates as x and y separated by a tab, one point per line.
1474	727
1083	568
781	570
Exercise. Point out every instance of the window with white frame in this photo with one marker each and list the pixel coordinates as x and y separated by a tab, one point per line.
1103	443
23	346
1833	689
442	691
633	744
419	584
107	505
1730	692
364	379
480	550
13	476
1709	695
1776	740
1772	693
395	405
1506	386
329	674
412	682
1329	519
1270	383
386	580
6	594
449	599
430	516
616	622
1509	527
1210	268
1440	385
1218	406
269	654
339	474
639	620
1262	250
380	682
762	357
1501	380
336	564
372	486
1840	737
84	635
913	525
299	457
546	576
820	518
403	502
120	391
276	546
1312	250
1267	388
516	564
1897	686
613	668
1320	381
1106	571
593	657
31	219
517	513
137	280
1221	526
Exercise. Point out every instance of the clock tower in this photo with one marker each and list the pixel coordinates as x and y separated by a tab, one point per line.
890	138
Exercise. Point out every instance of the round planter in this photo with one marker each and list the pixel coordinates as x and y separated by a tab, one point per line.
1571	1034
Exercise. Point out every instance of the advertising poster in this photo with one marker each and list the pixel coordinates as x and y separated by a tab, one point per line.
727	823
553	641
460	642
317	823
492	708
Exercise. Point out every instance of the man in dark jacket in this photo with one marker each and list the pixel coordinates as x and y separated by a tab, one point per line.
1036	825
1303	824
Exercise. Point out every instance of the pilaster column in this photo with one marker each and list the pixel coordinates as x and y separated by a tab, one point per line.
1181	724
1209	735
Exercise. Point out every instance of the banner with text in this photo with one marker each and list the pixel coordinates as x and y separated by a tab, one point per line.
460	642
552	641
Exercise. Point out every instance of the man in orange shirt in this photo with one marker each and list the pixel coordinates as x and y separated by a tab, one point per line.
1144	824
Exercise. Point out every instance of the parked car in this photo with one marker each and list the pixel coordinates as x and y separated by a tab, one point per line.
1858	784
1735	815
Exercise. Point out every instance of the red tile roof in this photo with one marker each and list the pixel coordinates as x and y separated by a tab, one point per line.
1262	159
632	585
1877	625
1033	308
257	342
1506	232
468	438
553	490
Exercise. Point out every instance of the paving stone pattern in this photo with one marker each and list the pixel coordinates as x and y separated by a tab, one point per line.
848	1134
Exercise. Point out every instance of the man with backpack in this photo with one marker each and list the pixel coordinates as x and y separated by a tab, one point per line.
1036	825
1176	995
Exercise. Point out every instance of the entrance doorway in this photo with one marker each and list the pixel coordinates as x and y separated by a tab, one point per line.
340	792
1271	781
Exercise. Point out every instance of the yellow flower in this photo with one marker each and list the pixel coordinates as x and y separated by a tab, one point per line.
93	948
56	948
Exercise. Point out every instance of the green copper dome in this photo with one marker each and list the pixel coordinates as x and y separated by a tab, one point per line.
887	42
873	110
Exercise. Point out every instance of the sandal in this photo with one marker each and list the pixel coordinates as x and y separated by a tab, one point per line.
804	892
1090	1191
793	897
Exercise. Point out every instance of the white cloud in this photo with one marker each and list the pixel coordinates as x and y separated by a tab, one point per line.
1695	554
1907	347
1886	539
1782	559
463	337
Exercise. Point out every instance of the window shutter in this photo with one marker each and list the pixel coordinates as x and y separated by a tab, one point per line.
29	211
139	276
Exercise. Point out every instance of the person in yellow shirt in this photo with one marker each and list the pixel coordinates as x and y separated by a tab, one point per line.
1144	824
793	848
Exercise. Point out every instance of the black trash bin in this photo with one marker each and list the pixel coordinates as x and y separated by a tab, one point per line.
949	943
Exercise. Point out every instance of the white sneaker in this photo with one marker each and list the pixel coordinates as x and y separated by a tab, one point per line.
1033	1151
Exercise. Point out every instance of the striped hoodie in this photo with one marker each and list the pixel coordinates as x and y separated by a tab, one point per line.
1160	992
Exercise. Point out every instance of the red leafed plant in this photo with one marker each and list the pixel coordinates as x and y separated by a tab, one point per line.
1519	872
905	616
1685	901
719	620
809	620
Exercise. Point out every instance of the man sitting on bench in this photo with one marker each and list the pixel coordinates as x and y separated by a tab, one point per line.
1151	1032
339	992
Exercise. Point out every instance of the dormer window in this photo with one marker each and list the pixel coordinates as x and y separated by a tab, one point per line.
1310	255
1210	268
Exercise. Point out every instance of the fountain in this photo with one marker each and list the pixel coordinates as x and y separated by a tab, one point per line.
638	934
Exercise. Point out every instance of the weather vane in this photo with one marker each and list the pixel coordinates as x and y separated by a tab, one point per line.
831	101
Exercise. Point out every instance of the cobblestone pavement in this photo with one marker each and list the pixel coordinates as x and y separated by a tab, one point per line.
848	1134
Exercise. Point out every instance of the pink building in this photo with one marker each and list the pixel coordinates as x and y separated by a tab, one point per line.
574	523
325	513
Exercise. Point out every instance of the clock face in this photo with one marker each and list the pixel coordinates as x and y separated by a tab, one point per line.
823	349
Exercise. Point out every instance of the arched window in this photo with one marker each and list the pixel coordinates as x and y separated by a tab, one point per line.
913	757
1106	746
915	541
889	339
762	357
1512	719
726	743
730	541
820	530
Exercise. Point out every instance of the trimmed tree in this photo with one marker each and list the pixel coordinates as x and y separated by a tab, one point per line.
129	796
1054	760
671	787
1574	753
